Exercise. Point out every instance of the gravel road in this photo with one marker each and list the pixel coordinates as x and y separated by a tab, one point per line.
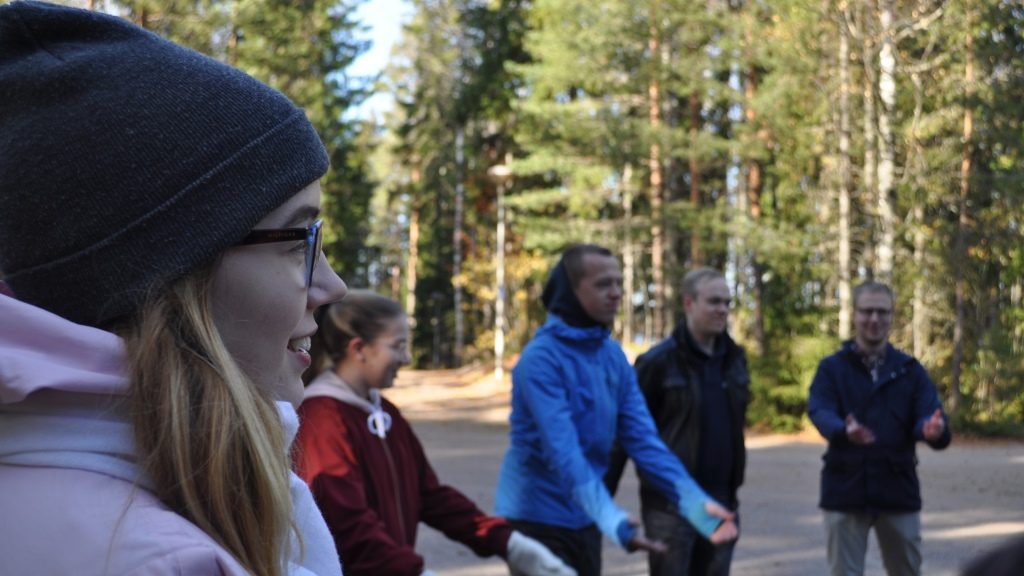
973	492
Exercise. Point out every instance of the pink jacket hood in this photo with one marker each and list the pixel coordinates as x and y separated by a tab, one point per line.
40	350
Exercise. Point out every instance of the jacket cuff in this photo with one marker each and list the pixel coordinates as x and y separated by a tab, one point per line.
625	533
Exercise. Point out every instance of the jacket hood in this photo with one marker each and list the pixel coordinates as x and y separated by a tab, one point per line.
329	384
557	327
40	350
559	298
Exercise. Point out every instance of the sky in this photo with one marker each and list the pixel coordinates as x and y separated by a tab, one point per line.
384	18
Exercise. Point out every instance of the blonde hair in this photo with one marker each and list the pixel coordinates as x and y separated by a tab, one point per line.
210	440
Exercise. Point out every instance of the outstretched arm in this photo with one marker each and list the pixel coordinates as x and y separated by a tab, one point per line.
663	469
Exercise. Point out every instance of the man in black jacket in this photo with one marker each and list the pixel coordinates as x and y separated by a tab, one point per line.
697	388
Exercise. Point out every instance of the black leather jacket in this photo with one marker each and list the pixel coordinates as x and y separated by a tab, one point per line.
672	389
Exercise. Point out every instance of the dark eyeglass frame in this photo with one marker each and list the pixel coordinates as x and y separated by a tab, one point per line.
313	235
880	312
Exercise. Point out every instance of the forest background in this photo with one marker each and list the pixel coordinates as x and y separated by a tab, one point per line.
801	146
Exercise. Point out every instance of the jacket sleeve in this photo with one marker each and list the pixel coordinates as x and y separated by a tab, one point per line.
539	377
329	463
926	401
456	516
655	462
823	405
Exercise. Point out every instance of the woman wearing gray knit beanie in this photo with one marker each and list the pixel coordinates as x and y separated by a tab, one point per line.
159	232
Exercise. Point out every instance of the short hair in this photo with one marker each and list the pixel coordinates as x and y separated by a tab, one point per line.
572	259
694	277
874	288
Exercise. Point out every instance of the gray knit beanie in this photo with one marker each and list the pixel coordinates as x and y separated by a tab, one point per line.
127	161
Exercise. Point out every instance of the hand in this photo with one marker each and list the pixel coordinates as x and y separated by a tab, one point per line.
528	557
934	427
639	542
858	434
727	531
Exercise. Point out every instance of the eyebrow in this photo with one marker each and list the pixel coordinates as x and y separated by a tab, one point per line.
303	214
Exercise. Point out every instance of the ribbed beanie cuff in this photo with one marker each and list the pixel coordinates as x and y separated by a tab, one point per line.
127	161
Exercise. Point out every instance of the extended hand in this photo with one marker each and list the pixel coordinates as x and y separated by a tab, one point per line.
727	531
858	434
639	542
528	557
934	427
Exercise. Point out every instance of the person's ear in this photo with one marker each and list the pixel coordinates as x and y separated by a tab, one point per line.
355	348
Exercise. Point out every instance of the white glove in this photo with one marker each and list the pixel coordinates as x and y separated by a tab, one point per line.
527	557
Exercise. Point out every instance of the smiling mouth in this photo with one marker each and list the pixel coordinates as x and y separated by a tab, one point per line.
301	344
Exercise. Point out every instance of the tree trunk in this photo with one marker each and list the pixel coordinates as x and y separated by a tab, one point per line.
869	192
628	263
845	299
886	146
919	322
413	260
460	171
960	258
755	185
695	124
656	176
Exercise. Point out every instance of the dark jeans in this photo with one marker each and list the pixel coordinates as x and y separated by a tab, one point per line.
689	553
579	548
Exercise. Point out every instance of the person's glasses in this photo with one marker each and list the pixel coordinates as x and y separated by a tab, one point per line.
312	235
869	312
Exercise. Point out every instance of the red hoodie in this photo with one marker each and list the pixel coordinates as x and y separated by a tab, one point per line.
374	491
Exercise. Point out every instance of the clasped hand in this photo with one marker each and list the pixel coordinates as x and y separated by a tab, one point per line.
727	531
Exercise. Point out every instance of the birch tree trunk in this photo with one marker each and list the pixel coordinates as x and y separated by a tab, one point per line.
845	301
628	262
886	146
868	192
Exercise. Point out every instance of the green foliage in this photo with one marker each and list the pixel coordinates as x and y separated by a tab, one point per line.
780	383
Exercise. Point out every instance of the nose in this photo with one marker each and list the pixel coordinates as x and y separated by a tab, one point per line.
327	286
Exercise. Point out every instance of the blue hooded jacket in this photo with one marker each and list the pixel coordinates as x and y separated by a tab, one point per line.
573	394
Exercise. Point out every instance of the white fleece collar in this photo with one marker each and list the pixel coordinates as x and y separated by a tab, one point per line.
329	384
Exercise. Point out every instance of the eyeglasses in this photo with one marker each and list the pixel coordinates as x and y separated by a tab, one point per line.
313	236
869	312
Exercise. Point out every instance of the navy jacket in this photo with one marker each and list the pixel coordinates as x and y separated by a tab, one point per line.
879	477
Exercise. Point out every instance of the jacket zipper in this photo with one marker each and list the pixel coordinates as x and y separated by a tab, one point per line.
394	483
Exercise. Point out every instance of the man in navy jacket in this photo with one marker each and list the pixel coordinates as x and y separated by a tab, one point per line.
873	403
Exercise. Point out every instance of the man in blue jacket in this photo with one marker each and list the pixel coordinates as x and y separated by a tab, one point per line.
573	395
873	403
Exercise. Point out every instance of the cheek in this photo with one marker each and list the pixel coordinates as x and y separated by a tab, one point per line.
255	313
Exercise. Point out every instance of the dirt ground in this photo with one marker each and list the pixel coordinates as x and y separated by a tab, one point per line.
973	492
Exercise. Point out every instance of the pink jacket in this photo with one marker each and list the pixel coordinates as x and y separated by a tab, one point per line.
72	500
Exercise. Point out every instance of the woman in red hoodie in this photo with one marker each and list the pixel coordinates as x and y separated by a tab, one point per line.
367	468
